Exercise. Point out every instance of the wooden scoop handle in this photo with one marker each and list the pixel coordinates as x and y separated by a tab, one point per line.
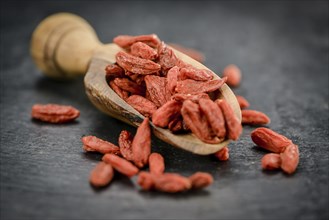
62	45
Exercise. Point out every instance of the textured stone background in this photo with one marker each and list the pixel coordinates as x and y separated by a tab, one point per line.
282	49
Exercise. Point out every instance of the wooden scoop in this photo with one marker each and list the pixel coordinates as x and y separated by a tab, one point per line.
65	45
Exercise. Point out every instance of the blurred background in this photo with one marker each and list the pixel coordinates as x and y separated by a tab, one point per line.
282	50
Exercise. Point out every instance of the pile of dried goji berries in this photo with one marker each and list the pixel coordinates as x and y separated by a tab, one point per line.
173	94
134	153
285	153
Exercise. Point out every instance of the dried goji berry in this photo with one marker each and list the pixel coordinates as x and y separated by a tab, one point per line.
233	74
136	64
253	117
125	144
172	79
271	161
167	57
141	145
270	140
197	122
113	71
142	105
171	183
214	116
190	86
156	163
92	143
201	180
242	102
101	175
144	51
156	88
233	126
223	154
166	182
54	113
129	86
125	41
195	74
120	92
163	115
290	158
120	164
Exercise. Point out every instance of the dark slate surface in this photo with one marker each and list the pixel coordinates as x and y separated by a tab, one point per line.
282	49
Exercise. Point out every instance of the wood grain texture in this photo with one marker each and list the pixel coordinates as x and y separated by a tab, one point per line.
62	45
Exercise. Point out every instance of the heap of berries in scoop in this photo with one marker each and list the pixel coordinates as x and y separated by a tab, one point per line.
173	94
